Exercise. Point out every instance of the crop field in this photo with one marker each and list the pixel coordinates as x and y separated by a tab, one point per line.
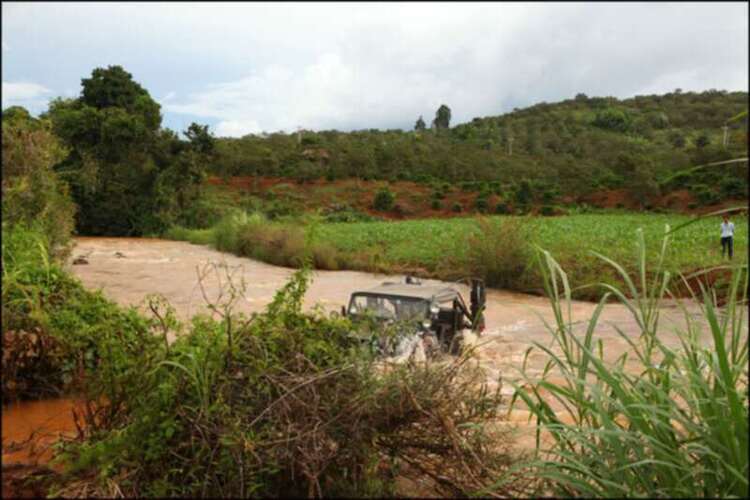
444	248
426	241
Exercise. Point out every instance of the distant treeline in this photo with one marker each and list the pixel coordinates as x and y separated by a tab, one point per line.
575	147
130	176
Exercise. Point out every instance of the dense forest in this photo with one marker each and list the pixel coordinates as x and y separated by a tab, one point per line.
128	175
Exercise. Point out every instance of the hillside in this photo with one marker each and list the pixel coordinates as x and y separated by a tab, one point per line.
573	148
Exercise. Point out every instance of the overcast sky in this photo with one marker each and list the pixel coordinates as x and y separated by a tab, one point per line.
247	68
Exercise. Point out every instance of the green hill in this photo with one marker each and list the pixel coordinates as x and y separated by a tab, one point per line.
572	148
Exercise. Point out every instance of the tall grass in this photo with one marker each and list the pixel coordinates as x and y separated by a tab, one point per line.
679	428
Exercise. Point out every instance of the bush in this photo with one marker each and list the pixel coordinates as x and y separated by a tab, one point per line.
481	205
384	199
456	207
55	331
502	208
704	194
498	252
436	205
548	210
732	187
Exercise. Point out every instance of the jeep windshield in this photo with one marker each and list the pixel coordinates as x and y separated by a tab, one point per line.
389	307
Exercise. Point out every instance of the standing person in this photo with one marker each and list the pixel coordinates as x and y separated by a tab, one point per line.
727	235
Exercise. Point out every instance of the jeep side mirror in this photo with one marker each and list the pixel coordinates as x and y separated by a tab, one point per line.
343	310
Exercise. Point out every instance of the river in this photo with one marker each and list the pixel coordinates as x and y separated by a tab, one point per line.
127	269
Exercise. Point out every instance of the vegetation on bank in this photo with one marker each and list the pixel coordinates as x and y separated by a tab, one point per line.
498	248
677	428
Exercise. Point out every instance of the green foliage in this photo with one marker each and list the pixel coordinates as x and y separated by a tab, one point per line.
436	205
523	194
555	143
442	118
677	429
457	207
502	209
705	195
420	125
31	191
283	403
55	331
126	174
384	199
481	204
613	119
498	251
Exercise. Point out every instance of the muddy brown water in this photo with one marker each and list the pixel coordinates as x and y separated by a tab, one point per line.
128	269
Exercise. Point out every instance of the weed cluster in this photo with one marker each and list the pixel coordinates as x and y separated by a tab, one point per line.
677	429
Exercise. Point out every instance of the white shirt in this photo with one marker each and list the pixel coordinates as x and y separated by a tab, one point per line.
727	229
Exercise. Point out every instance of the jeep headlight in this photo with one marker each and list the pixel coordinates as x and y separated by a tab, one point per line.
426	324
434	308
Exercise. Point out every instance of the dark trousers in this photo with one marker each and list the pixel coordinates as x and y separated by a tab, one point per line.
726	243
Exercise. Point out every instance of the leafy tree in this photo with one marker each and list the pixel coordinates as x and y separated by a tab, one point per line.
420	125
126	174
32	194
613	119
442	117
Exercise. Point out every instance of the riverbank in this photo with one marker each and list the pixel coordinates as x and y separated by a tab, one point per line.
500	249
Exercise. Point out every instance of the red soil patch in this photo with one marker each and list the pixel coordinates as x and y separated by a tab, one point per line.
415	200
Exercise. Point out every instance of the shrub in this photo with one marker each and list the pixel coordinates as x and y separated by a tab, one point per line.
481	204
498	251
384	199
733	187
436	205
704	194
54	330
456	207
502	208
548	210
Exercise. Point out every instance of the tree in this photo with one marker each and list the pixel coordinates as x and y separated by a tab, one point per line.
126	174
32	194
442	117
420	125
612	119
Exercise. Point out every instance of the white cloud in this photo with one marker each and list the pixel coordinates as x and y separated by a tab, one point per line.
28	94
267	66
237	128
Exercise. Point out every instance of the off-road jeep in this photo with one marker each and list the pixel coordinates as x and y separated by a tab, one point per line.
428	318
